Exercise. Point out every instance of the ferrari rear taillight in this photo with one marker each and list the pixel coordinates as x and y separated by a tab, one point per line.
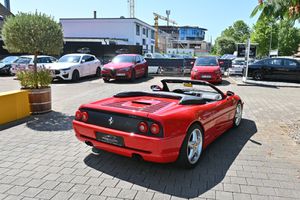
143	127
78	115
84	117
154	129
81	116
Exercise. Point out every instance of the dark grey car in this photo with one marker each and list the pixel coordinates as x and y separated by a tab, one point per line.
286	69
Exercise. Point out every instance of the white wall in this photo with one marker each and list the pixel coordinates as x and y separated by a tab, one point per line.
108	28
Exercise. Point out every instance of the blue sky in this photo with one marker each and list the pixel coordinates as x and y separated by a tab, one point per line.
215	15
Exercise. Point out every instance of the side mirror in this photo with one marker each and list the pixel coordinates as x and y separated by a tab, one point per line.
229	93
138	61
155	88
82	61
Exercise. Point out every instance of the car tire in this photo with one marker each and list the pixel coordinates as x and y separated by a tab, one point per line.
258	76
132	75
146	73
192	147
158	70
238	115
106	80
98	72
75	76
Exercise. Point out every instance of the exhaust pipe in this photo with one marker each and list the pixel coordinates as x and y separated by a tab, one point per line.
137	157
89	143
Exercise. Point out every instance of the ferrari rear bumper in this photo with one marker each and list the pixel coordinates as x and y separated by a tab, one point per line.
151	149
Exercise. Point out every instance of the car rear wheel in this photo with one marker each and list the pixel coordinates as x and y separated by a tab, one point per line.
106	80
133	75
75	76
238	115
258	76
98	72
191	148
146	73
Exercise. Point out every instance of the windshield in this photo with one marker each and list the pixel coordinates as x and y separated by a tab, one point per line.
238	62
188	87
123	59
69	59
206	61
9	59
157	55
23	60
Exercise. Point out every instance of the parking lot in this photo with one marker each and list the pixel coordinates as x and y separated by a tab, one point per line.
40	158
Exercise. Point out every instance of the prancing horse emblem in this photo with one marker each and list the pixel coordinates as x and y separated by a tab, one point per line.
111	121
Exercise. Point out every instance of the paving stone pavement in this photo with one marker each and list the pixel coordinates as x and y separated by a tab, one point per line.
40	158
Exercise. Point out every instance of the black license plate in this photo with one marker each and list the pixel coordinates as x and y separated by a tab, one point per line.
110	139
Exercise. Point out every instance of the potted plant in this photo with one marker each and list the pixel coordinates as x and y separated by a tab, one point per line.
34	33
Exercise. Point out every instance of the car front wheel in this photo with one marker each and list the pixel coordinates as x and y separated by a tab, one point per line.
132	75
191	148
75	76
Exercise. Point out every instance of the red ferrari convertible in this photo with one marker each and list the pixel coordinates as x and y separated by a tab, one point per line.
175	122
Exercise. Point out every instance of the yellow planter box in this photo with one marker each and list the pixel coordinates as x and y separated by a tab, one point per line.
14	105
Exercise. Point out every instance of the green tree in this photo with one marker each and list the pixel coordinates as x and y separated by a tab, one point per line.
224	45
264	32
239	31
32	34
288	38
278	9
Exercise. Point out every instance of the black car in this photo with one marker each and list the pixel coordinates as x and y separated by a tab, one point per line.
286	69
5	64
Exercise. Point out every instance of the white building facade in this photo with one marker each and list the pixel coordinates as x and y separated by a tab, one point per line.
123	31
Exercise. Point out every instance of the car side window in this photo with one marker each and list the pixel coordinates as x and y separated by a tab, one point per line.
290	63
142	59
85	58
275	62
91	58
52	60
137	59
47	60
40	60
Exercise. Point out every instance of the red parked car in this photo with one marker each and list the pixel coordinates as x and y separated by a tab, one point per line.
125	66
173	123
207	68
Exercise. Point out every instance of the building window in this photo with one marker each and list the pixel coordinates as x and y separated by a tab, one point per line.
144	31
144	42
137	27
147	32
152	34
147	46
152	49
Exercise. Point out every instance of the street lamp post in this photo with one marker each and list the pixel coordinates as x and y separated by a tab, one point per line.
247	61
270	45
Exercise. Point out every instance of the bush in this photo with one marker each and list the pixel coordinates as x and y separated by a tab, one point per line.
28	81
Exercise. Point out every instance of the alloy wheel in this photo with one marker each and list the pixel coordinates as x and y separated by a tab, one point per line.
194	147
238	115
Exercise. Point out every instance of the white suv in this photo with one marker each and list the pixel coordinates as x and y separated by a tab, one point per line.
74	66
